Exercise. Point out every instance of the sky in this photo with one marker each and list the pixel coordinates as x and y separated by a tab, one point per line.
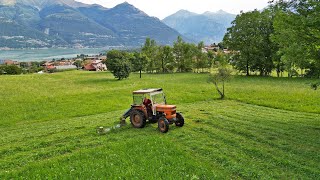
164	8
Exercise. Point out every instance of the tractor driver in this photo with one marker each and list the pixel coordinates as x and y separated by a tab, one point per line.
147	103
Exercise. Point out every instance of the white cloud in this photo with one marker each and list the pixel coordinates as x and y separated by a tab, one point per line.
163	8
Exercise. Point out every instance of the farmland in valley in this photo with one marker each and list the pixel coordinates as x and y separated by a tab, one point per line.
266	128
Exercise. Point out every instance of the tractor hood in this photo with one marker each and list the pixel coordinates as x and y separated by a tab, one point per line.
163	108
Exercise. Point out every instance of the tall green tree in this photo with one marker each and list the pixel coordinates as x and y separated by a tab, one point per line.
250	37
78	63
150	49
166	57
119	64
200	60
296	30
184	53
139	62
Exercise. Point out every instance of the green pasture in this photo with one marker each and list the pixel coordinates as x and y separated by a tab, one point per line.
267	128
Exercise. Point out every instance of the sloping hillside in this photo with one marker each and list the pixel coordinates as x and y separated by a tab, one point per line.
67	23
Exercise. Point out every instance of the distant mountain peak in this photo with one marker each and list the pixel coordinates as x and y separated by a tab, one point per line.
125	4
215	13
208	27
127	8
221	11
40	4
184	13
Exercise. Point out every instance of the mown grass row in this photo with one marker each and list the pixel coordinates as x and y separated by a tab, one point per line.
221	139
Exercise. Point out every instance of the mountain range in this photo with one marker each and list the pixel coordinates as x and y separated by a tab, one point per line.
67	23
208	27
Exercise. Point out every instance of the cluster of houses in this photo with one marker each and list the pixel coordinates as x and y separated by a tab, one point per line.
215	49
93	63
88	63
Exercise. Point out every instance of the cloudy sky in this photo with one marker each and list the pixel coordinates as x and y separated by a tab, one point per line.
163	8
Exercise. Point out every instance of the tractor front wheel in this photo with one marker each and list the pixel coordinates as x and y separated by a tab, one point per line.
180	120
137	119
163	124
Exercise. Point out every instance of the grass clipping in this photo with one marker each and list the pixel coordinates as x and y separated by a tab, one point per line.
101	130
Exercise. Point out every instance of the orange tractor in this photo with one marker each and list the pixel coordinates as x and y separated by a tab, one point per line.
151	105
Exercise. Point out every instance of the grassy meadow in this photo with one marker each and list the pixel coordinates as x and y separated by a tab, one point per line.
267	128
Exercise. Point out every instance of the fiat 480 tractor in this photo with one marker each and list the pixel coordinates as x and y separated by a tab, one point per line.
150	105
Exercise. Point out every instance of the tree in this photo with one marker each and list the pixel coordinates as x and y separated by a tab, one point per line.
118	63
165	55
78	63
24	65
139	62
220	75
211	57
200	60
10	69
296	30
184	53
221	58
150	50
250	37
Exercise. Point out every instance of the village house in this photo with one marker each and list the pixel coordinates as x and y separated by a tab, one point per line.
64	63
48	66
65	67
95	65
212	48
59	66
8	62
89	67
215	49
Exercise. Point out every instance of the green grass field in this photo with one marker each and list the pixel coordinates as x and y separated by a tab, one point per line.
267	128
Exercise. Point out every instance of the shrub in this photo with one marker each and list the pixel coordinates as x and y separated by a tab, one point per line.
10	69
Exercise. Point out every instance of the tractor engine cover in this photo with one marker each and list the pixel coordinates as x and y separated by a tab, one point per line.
168	110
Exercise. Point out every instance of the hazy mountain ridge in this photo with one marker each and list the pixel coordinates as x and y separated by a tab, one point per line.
73	24
209	27
40	4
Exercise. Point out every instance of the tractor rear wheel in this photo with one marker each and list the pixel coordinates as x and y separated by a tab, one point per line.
180	120
163	124
137	119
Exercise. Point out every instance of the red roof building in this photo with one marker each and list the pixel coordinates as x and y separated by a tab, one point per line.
89	67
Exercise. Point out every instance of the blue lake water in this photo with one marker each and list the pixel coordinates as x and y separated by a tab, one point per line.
47	54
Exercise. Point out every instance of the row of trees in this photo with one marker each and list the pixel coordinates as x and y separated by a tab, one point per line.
182	57
153	58
23	67
283	37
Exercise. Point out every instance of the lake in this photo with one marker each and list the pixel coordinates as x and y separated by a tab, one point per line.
48	54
